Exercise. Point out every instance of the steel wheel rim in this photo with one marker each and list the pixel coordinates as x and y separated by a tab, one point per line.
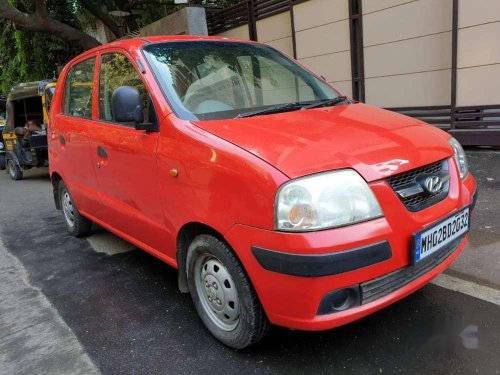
12	169
68	209
217	292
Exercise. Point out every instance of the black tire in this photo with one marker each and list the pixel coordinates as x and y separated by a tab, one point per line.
2	162
252	324
14	171
76	224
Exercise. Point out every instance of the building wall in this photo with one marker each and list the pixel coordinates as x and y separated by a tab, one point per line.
478	60
407	58
240	32
407	50
323	40
277	32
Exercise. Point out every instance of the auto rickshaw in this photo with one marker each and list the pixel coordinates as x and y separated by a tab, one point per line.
25	131
2	125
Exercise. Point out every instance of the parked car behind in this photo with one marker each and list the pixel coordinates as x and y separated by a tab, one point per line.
277	199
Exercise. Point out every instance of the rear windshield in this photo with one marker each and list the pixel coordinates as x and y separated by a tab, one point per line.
207	80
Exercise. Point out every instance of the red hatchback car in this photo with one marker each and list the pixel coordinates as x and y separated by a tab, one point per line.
277	199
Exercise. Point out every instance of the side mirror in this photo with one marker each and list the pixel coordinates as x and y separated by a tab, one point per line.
127	106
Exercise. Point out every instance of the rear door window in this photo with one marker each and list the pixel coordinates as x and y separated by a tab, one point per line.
78	89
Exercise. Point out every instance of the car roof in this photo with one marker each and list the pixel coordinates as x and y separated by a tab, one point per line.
140	41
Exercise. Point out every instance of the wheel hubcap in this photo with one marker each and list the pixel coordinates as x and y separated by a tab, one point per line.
217	292
68	209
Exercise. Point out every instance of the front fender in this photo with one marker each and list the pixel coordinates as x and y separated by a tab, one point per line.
218	184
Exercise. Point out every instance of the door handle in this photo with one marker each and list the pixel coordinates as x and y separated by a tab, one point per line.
102	156
102	152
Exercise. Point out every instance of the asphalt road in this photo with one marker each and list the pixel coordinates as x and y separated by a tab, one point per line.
124	308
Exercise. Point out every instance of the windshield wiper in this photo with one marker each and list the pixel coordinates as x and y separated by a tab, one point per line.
326	102
293	106
273	109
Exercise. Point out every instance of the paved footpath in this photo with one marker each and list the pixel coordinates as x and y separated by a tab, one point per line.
33	337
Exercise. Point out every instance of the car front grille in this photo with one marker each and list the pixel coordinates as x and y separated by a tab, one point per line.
422	199
381	286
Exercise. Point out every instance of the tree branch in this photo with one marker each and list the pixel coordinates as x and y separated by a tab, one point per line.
41	8
41	22
7	11
106	20
130	19
133	4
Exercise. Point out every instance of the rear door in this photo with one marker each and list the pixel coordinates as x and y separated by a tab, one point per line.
69	147
125	160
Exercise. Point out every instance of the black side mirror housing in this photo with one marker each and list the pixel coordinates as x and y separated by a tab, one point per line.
127	106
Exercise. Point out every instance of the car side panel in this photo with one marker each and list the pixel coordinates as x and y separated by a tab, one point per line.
128	182
218	184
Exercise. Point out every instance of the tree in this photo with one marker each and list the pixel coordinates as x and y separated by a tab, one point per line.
38	36
37	16
40	20
31	56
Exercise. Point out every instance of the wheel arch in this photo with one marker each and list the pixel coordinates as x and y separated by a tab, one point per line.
185	236
55	178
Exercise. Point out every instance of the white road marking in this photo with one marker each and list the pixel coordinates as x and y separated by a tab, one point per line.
467	287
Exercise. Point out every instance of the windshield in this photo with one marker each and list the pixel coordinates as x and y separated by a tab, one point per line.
207	80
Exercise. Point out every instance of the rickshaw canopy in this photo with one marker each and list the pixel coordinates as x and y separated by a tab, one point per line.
23	91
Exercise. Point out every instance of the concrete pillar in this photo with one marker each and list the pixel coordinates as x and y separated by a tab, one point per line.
188	21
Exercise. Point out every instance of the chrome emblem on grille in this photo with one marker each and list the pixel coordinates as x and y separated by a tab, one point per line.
433	184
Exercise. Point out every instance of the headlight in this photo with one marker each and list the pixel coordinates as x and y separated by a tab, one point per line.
1	145
460	158
324	200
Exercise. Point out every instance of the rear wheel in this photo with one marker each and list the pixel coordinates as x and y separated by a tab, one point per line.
223	295
76	224
2	162
14	170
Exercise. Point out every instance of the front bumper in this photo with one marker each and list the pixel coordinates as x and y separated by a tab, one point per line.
291	288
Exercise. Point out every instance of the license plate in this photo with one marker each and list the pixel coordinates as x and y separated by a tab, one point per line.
435	238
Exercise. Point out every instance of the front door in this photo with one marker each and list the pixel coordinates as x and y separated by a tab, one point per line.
125	161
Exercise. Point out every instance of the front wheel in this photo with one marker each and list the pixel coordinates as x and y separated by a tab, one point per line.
14	170
76	224
223	295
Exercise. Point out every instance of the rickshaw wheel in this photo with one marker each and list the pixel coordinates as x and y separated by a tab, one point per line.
14	171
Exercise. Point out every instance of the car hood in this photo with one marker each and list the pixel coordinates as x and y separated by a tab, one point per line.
375	142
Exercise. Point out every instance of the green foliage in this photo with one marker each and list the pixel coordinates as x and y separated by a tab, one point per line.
29	56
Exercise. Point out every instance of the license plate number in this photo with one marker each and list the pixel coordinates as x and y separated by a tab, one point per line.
430	241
